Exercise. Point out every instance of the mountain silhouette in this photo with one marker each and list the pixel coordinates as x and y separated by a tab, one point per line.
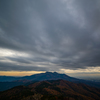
7	83
41	76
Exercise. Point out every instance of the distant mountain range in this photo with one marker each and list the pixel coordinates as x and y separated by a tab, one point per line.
52	90
7	82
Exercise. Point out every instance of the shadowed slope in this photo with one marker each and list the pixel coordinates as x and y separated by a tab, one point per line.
52	90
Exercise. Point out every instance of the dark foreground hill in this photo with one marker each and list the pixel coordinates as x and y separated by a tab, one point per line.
52	90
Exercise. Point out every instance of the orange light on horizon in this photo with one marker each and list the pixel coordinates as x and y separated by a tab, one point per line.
19	73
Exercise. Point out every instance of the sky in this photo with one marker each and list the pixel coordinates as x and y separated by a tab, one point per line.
50	35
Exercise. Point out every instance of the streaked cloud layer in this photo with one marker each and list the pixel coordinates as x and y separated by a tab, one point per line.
49	35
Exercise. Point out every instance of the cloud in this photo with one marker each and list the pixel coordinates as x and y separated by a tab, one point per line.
56	34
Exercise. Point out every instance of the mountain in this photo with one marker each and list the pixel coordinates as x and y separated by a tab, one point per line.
8	85
52	90
8	78
41	77
49	76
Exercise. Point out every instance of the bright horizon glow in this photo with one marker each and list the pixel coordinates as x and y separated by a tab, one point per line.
19	73
79	73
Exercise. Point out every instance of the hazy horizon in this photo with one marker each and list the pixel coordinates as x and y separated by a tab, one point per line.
85	76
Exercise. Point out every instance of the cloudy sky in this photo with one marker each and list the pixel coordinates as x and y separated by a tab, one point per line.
49	35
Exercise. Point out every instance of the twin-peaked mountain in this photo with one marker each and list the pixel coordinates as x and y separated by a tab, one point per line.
39	77
7	82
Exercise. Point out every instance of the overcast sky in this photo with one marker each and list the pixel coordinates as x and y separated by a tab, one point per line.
49	35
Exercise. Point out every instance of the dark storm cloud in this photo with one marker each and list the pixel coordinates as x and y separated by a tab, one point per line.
20	60
11	66
62	33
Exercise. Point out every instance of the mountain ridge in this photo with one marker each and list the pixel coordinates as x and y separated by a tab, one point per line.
52	90
33	77
41	77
